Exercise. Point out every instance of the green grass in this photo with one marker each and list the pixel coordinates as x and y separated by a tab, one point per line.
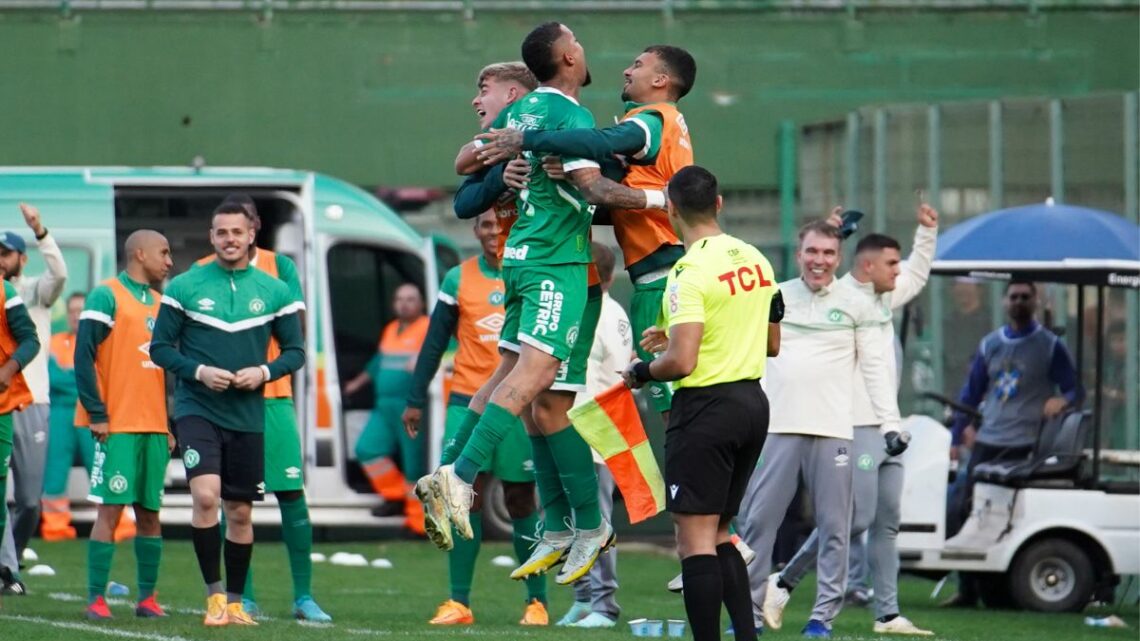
374	603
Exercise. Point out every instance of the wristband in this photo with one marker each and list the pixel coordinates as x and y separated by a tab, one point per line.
265	373
198	373
654	199
43	235
641	372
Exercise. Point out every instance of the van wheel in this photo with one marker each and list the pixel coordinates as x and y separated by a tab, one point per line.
1052	575
496	521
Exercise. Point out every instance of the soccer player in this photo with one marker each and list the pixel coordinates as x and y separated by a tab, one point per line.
29	453
546	292
283	462
878	477
470	307
18	346
65	439
830	328
721	298
122	397
654	139
383	437
213	334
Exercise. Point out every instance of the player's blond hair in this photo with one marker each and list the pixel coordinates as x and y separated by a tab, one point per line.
509	72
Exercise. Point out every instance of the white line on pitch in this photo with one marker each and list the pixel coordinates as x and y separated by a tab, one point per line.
83	627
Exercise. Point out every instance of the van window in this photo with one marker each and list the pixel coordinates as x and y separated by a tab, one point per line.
362	280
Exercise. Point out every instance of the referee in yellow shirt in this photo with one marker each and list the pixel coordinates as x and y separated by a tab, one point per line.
720	311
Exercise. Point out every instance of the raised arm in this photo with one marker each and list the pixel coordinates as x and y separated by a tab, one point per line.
916	268
49	285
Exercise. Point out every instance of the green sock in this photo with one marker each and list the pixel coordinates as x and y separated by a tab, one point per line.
297	531
524	531
453	447
579	478
99	556
493	426
461	561
148	554
555	505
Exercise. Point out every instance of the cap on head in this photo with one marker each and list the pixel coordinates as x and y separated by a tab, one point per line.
14	242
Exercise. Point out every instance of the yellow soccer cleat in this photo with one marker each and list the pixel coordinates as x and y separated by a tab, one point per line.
216	610
238	615
549	552
588	545
452	613
535	614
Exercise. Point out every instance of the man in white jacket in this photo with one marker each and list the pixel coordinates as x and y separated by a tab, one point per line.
30	437
595	605
831	329
878	477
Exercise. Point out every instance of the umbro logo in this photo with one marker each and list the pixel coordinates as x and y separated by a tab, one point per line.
673	490
491	322
292	472
206	304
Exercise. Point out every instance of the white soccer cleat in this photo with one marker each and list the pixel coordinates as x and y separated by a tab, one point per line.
677	583
588	546
775	600
549	551
457	496
436	524
901	625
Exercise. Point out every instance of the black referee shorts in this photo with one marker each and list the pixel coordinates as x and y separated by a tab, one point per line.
712	443
237	457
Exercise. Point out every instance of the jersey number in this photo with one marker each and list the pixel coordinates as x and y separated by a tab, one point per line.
748	277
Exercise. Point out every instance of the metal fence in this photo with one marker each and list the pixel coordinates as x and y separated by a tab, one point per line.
967	159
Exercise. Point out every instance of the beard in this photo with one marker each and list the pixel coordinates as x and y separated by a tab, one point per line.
588	80
625	96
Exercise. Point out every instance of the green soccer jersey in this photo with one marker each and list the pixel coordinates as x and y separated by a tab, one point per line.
222	318
553	227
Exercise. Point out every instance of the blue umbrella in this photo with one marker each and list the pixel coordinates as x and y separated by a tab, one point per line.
1044	242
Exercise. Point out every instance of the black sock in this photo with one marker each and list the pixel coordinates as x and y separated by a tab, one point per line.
889	617
237	568
208	549
780	583
702	595
736	592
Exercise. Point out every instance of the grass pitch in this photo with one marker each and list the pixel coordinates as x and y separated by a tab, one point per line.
395	603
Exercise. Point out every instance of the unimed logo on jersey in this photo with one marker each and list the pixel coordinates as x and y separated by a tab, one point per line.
549	309
749	278
515	253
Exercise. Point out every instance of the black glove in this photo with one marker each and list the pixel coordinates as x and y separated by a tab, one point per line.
897	442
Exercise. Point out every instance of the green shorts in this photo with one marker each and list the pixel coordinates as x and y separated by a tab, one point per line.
571	376
6	428
512	460
283	463
644	308
129	469
544	306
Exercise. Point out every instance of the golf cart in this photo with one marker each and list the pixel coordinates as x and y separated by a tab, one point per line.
1052	532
